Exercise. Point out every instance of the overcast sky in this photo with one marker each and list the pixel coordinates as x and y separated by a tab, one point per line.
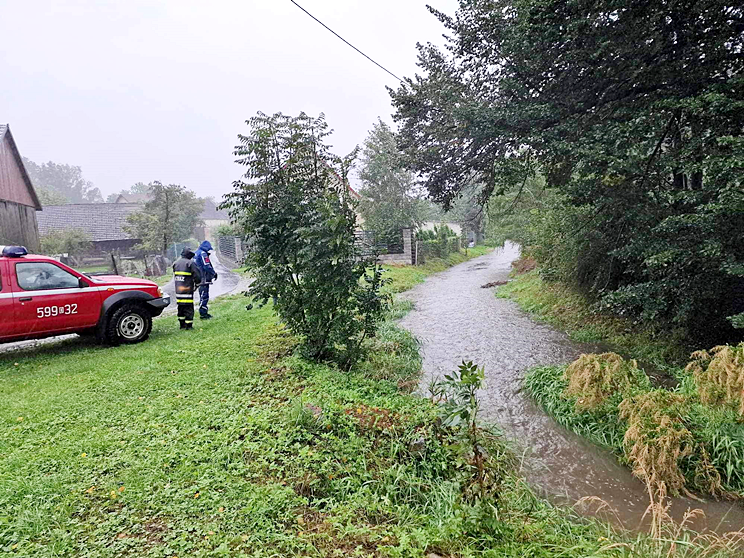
142	90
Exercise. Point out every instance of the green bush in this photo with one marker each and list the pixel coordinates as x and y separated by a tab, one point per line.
439	243
74	242
301	223
227	230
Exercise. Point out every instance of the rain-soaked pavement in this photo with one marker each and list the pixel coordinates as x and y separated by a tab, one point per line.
455	319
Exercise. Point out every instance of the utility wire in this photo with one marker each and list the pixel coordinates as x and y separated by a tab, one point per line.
344	40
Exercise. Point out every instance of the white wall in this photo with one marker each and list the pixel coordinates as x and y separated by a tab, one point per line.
429	226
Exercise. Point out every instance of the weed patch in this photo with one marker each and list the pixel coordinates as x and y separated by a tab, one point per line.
667	437
656	439
524	264
592	379
719	376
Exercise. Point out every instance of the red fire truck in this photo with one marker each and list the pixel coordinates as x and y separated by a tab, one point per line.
41	297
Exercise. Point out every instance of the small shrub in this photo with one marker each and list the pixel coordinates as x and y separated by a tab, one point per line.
73	242
592	379
227	230
457	393
719	375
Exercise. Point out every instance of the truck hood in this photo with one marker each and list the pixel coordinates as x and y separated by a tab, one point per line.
103	280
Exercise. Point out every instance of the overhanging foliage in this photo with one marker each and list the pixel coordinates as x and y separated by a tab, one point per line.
632	110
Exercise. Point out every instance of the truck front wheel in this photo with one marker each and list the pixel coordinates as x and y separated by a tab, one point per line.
129	324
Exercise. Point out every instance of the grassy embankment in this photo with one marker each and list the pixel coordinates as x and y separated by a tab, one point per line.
569	311
219	442
690	436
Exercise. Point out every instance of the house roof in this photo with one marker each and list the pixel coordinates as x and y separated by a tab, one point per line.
101	221
133	198
212	213
5	131
354	193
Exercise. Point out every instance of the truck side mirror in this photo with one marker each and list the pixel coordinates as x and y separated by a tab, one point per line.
82	283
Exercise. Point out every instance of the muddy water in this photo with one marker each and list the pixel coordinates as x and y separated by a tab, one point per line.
455	319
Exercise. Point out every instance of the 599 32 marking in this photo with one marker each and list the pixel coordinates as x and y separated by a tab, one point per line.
52	311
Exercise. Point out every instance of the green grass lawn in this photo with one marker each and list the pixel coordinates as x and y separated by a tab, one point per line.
215	442
219	442
190	442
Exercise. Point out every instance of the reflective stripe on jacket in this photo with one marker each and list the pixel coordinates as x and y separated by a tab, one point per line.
186	276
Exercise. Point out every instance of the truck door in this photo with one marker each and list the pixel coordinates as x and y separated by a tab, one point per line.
6	303
50	298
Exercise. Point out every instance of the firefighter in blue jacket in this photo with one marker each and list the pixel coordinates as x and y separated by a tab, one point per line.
208	274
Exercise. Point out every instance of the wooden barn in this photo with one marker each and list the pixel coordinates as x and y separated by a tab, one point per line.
18	200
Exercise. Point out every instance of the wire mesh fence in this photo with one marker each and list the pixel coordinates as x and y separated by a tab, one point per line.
232	249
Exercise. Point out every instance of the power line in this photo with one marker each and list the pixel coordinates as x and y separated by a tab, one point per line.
344	40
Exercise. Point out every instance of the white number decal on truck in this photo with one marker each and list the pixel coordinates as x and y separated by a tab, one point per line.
52	311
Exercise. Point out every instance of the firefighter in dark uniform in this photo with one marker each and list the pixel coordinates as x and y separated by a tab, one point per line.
186	276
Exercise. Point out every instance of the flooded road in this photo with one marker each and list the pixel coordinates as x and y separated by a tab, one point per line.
455	319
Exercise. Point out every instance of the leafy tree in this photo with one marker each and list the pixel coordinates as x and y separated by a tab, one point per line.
390	201
56	181
138	188
170	216
468	211
73	242
631	111
301	221
50	196
226	230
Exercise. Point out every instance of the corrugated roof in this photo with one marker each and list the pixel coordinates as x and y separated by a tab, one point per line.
3	128
101	221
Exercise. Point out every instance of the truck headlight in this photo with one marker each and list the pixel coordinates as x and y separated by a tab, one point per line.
160	292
